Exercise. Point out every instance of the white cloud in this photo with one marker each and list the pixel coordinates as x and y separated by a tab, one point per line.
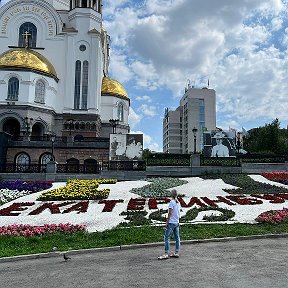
119	68
149	142
134	118
147	110
276	23
144	98
229	42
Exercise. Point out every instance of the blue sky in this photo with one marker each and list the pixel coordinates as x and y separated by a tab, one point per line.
240	46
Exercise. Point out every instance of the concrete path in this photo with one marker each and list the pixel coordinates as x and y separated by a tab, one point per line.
244	264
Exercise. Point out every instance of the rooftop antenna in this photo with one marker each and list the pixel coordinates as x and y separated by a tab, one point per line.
208	83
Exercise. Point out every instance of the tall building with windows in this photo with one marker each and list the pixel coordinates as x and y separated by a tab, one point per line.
197	109
54	58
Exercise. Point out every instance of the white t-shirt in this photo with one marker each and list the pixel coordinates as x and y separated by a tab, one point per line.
174	219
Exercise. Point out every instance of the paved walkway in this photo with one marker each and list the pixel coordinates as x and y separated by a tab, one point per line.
251	263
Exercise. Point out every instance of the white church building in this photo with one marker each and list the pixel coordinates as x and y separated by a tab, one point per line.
56	98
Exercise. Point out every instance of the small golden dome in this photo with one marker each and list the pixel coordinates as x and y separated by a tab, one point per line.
113	88
27	59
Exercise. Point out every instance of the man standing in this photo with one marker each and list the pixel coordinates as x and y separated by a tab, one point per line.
172	225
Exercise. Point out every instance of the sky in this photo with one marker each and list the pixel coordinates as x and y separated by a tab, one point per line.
158	46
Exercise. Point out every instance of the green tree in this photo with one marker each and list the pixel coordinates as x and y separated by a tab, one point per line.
146	154
270	139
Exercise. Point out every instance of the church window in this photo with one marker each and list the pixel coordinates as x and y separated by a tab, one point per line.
40	92
82	48
84	85
81	85
120	112
13	89
77	84
32	35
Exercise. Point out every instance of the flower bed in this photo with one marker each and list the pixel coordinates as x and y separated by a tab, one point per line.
32	186
78	190
123	204
29	230
273	216
280	177
7	195
11	190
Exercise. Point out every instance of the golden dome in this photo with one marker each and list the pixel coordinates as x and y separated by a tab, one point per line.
26	59
113	88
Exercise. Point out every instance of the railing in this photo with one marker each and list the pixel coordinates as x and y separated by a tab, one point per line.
75	168
23	168
220	161
91	139
124	165
45	138
163	159
78	168
262	158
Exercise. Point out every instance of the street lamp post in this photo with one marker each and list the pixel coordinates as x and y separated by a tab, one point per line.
53	137
194	130
114	123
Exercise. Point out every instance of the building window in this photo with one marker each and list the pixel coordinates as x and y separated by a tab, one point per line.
82	48
84	84
13	89
77	84
40	92
46	158
120	112
22	162
81	85
32	35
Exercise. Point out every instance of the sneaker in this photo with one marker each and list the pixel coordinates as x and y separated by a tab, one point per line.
163	257
175	255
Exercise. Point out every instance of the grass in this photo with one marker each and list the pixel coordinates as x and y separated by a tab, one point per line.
12	246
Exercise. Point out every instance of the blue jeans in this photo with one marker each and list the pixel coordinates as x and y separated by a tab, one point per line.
169	229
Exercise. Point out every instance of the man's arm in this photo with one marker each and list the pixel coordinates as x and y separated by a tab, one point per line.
169	215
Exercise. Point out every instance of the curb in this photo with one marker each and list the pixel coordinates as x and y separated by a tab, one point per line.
138	246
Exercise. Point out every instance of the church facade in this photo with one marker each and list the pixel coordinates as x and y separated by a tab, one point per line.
57	101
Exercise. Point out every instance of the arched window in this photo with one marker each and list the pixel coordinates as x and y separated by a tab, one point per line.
77	84
45	158
120	112
22	162
85	84
32	35
13	89
40	92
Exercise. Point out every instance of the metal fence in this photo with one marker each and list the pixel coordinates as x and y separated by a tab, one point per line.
88	168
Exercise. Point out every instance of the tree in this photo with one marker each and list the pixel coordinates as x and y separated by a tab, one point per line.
269	139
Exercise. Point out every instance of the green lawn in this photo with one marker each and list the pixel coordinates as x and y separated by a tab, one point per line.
12	246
